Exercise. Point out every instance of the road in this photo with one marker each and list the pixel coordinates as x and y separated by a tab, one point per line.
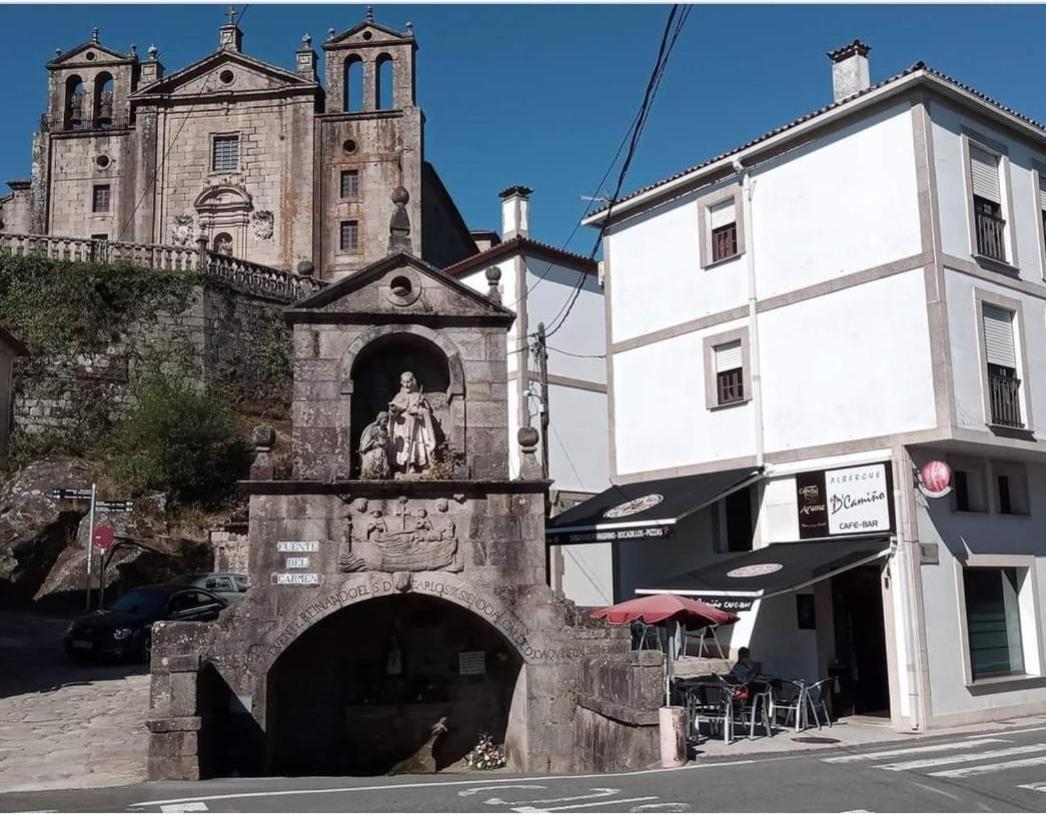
997	771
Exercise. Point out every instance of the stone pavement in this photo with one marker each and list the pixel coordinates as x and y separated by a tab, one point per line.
65	724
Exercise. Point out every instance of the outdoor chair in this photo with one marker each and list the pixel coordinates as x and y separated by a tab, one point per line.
708	631
644	636
712	702
818	700
791	699
751	703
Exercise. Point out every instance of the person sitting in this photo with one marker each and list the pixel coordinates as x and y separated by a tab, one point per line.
744	669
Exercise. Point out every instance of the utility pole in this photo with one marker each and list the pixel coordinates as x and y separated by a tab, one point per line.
90	547
541	350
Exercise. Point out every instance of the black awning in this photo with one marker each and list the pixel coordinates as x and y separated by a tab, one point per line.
773	569
646	509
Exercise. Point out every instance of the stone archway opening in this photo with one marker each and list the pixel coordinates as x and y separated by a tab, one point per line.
360	691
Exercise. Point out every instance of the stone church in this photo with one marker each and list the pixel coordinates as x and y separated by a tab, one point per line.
263	163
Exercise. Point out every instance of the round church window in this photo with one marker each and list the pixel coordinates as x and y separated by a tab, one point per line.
367	35
349	146
400	286
89	56
227	76
102	162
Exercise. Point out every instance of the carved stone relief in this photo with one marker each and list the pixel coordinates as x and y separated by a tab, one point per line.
263	224
399	536
182	231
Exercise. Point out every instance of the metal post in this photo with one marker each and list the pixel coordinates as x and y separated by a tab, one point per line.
104	558
90	547
542	355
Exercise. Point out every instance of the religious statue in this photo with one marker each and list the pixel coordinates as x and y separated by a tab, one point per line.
374	448
412	430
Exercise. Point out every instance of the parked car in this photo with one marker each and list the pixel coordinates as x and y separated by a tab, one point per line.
125	630
224	584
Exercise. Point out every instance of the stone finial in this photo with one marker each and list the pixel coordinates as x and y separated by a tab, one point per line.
95	32
153	52
370	14
306	268
530	467
410	28
134	50
262	439
306	41
399	225
231	13
493	278
58	52
330	33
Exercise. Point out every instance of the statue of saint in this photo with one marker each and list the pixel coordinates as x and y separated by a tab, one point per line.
374	448
412	430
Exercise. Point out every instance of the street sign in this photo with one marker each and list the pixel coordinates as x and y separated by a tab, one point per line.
114	506
103	537
66	494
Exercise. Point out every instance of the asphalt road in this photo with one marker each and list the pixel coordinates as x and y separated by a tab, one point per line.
998	771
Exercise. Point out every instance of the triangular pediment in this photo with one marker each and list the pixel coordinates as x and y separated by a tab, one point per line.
225	72
368	33
90	53
399	288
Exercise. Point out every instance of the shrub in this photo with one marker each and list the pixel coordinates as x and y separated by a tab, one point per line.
178	439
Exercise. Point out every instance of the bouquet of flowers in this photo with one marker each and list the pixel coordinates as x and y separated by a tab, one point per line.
485	755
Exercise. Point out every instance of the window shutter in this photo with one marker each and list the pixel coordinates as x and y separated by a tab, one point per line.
721	215
1042	193
728	356
998	337
984	168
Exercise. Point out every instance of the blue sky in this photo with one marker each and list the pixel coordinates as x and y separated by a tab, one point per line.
541	95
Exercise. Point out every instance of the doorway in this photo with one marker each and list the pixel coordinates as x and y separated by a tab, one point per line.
362	689
860	643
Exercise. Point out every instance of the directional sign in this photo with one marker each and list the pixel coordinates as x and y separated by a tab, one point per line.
103	537
64	494
114	506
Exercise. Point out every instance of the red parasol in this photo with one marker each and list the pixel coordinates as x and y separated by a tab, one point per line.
657	608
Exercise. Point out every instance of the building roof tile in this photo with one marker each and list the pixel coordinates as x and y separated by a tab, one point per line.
522	245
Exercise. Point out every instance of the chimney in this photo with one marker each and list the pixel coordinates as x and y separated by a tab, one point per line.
515	212
850	69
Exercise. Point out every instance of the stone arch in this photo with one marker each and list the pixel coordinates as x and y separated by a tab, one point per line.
225	208
384	82
348	359
74	102
104	90
352	77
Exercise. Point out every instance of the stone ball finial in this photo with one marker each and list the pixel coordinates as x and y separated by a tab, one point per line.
306	41
263	436
493	275
410	28
400	195
306	268
153	52
134	49
370	14
58	52
95	32
330	33
528	439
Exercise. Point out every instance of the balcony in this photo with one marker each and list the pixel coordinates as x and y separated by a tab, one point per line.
1004	397
990	229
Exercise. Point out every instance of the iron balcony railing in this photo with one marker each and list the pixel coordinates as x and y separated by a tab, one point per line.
991	231
1004	397
73	124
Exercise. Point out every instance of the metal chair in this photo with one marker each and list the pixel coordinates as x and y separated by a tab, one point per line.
705	632
713	702
644	636
817	696
792	700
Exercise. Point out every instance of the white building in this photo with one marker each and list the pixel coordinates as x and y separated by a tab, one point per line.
537	281
794	328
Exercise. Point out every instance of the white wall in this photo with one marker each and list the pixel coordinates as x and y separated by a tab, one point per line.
588	573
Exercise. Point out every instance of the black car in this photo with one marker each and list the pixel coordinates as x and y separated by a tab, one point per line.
125	630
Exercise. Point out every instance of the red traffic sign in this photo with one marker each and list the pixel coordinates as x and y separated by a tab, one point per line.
103	537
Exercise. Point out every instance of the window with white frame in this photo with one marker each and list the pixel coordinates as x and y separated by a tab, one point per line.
729	373
989	223
993	620
225	153
1001	355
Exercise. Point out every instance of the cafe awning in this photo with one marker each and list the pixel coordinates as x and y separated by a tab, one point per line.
645	509
775	569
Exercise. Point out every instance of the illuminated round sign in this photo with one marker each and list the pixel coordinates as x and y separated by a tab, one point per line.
935	479
755	570
634	506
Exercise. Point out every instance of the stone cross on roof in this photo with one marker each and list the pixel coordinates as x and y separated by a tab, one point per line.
231	13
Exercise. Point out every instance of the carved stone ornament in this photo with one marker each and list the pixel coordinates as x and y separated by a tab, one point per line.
263	224
399	537
182	231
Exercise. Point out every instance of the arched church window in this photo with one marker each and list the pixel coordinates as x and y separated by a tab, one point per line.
103	100
385	95
353	83
74	103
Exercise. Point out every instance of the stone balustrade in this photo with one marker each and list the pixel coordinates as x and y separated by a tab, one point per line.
242	275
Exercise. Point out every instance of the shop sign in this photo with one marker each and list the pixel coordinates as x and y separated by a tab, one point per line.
728	603
596	535
845	501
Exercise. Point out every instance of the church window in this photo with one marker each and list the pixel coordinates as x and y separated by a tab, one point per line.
103	101
225	154
350	185
226	77
383	84
353	83
74	103
100	198
349	236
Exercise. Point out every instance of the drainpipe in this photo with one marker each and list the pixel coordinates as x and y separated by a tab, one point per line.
753	321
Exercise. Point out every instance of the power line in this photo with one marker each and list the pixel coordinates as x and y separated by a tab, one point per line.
151	186
578	356
673	27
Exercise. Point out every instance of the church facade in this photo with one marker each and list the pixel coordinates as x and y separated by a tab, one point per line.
270	165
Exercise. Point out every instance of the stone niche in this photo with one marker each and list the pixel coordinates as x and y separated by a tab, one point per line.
394	617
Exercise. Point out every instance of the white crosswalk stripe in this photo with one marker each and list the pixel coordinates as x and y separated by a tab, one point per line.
983	769
955	745
924	763
1038	786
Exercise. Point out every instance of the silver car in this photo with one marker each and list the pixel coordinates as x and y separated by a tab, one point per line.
230	587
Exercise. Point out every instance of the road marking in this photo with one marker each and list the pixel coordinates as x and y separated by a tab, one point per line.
377	787
952	745
599	792
983	769
665	807
191	806
477	790
1011	732
1038	786
583	806
922	763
